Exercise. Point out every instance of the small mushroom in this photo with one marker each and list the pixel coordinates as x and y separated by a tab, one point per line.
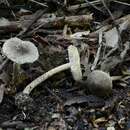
100	83
19	51
74	65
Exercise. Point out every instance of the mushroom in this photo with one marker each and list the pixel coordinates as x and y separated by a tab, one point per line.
100	83
74	65
20	52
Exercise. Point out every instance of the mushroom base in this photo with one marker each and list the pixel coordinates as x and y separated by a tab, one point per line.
25	102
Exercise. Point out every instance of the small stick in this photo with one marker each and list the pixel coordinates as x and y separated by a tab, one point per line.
93	6
84	5
120	2
39	14
38	3
53	94
65	31
124	52
65	2
98	52
110	52
10	9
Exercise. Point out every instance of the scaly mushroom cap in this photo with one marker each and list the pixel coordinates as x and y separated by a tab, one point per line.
75	63
20	51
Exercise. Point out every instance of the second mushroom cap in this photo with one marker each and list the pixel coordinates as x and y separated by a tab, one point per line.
20	51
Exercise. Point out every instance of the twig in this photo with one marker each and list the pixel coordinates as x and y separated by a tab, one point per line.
104	4
98	52
65	2
84	5
124	52
65	30
110	52
94	6
39	14
53	94
38	3
49	32
120	2
10	9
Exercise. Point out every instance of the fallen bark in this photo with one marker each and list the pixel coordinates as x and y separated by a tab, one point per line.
80	20
58	22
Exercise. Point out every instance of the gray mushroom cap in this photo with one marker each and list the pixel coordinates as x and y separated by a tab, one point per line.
75	63
20	51
99	83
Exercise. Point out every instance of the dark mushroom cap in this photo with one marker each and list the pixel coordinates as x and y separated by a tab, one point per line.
20	51
99	83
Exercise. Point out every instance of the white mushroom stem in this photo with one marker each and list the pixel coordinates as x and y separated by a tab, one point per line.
45	76
114	78
15	74
74	65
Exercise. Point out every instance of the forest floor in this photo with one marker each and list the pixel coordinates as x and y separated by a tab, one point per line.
100	30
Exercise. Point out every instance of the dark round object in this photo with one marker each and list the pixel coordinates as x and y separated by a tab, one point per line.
24	102
99	83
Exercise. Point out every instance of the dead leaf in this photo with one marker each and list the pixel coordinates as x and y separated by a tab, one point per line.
112	36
